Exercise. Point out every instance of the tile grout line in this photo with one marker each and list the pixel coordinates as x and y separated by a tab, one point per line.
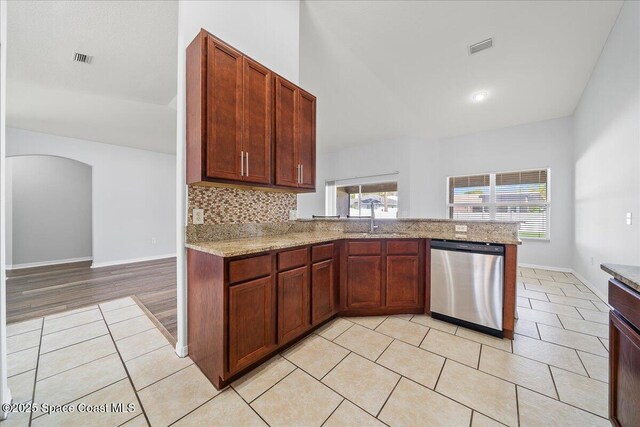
332	412
87	394
517	406
424	337
77	366
388	397
336	391
220	393
75	343
385	349
451	398
125	368
25	349
249	404
583	376
553	380
273	385
166	376
35	375
146	352
435	385
71	327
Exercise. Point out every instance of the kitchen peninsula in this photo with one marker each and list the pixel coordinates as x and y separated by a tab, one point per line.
258	282
252	296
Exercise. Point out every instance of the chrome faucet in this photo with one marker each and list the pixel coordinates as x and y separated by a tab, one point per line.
372	227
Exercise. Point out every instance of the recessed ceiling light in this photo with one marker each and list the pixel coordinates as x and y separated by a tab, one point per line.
479	96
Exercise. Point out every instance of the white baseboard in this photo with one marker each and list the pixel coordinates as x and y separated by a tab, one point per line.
588	284
182	351
545	267
131	260
47	263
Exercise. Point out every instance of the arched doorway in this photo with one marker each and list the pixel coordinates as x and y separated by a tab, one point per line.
49	211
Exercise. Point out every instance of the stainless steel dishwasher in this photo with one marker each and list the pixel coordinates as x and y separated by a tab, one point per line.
467	284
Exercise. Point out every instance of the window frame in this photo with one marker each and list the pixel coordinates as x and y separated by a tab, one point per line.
332	184
493	204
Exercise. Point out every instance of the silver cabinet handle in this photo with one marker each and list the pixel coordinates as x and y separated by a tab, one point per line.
247	163
242	163
301	173
298	173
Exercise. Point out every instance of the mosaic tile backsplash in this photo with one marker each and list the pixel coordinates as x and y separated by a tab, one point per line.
224	205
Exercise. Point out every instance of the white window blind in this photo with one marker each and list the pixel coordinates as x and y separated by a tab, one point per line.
509	196
469	197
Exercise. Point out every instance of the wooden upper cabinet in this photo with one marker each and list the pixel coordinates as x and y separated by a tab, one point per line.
224	111
307	139
256	122
295	136
239	115
286	104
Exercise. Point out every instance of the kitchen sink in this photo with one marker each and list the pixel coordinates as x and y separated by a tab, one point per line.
378	233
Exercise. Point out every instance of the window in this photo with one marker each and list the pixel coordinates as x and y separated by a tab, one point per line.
353	197
508	196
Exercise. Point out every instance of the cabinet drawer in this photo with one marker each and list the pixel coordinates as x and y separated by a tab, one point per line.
321	252
292	259
625	302
249	268
403	247
364	248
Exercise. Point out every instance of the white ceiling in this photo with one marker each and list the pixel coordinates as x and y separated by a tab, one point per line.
123	97
385	70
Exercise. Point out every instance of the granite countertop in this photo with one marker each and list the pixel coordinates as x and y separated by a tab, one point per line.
253	245
627	274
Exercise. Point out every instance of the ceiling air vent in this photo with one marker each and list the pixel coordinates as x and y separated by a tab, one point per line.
81	57
484	44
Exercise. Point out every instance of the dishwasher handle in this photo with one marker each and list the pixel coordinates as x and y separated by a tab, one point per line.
467	247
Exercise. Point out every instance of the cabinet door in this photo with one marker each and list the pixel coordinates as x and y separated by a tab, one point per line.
403	281
624	381
256	122
364	281
286	167
306	143
293	303
322	285
251	328
224	111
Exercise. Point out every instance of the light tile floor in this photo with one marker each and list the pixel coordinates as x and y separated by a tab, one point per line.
396	370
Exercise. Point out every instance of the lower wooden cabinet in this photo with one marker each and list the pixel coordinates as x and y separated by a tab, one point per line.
403	285
251	328
364	281
293	303
322	291
624	355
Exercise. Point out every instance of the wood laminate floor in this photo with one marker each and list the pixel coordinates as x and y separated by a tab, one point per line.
42	291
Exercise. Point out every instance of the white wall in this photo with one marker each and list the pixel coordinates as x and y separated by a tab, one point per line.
546	144
5	393
424	166
50	205
133	194
607	155
269	32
